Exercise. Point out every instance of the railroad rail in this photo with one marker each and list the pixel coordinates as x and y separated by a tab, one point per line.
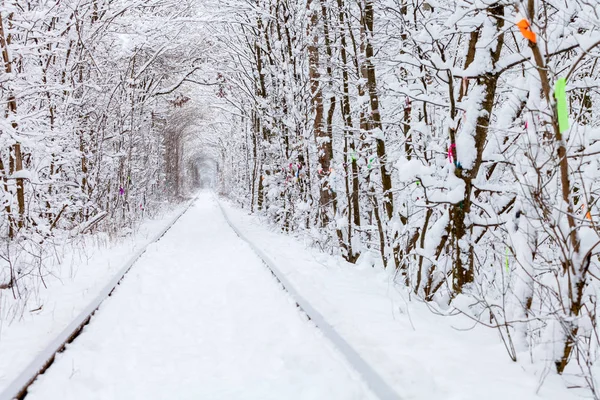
17	389
374	381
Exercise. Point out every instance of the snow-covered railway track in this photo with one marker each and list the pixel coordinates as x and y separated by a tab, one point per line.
177	249
17	389
373	380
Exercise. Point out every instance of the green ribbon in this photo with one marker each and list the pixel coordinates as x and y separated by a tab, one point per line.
561	104
370	164
507	266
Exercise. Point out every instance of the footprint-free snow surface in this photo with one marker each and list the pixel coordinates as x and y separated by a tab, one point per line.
199	317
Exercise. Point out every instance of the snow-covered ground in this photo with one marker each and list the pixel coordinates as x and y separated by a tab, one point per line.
74	283
199	317
422	355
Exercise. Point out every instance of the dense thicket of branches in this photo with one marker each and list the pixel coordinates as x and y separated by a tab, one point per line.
429	136
428	132
94	121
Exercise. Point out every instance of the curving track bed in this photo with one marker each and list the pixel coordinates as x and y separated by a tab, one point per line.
199	317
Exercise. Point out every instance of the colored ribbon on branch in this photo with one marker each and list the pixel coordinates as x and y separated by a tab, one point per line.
370	163
562	110
452	153
588	214
525	28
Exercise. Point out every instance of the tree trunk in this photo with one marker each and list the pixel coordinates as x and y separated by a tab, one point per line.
16	157
322	140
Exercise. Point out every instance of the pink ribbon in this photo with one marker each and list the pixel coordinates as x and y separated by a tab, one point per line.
451	152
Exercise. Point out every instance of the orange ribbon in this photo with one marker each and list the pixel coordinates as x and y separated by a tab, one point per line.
525	28
588	214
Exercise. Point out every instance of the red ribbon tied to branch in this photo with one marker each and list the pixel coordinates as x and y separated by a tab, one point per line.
451	152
